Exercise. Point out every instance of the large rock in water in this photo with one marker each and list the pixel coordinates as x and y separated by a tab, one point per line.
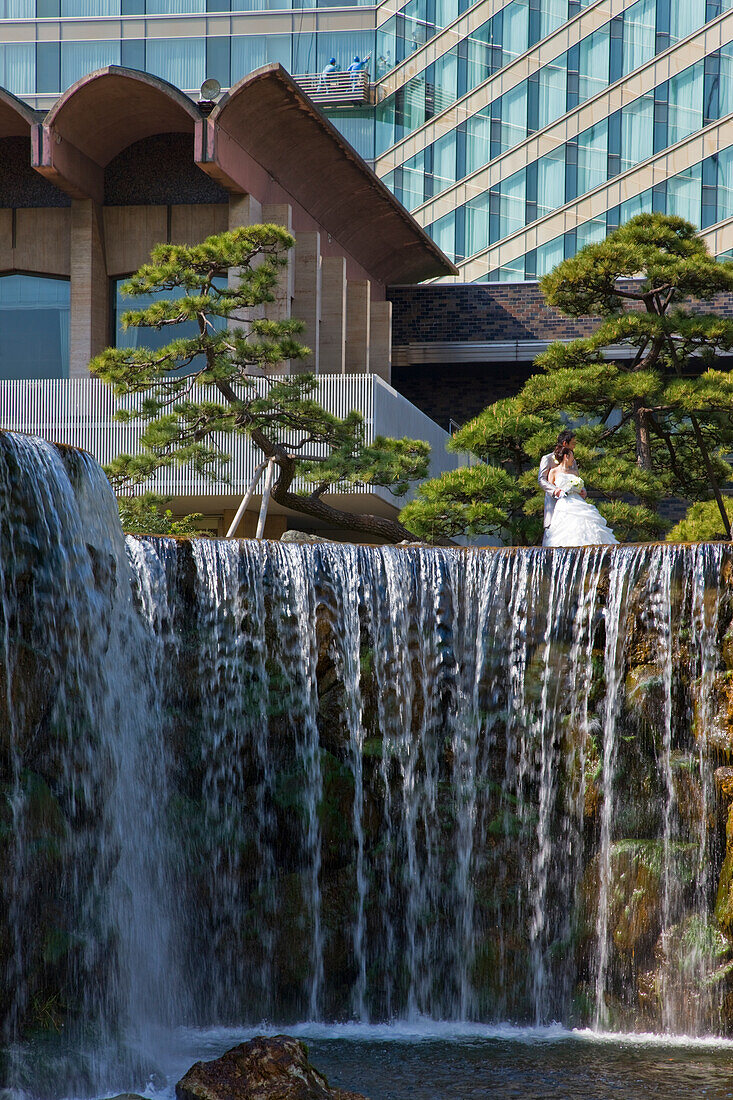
262	1069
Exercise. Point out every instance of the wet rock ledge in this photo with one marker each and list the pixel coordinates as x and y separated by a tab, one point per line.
262	1069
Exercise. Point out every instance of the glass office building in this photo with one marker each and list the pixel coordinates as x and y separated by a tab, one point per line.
514	131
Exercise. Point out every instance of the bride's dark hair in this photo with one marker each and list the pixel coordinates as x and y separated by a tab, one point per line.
561	450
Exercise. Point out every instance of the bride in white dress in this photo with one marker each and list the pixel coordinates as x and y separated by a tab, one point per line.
575	522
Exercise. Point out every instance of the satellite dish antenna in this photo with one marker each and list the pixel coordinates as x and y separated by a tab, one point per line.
210	90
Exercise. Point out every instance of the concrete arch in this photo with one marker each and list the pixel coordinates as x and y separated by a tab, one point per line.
109	109
16	117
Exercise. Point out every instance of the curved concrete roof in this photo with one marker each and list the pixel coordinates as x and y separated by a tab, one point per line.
16	117
109	109
278	125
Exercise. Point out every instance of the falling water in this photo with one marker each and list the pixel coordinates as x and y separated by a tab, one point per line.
297	782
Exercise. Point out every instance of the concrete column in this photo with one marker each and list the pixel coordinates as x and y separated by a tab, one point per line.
89	320
332	342
244	210
358	317
307	297
380	340
280	309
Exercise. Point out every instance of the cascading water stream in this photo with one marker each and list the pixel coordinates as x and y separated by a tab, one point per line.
302	782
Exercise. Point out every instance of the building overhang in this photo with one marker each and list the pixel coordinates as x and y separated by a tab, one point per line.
97	118
267	119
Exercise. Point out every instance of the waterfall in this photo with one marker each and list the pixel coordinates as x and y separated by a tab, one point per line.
248	781
82	767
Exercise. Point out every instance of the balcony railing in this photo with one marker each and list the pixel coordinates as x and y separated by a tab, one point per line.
336	89
80	412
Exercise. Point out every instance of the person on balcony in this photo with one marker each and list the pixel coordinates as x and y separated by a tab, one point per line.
325	78
355	68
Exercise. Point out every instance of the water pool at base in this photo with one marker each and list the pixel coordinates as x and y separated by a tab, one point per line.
466	1062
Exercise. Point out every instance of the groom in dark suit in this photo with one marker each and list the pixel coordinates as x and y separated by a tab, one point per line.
547	463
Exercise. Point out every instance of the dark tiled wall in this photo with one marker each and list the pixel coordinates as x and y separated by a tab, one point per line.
501	312
458	391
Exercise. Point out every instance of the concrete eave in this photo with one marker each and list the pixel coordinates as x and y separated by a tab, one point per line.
268	120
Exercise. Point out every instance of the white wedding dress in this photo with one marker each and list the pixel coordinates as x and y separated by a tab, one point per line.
575	522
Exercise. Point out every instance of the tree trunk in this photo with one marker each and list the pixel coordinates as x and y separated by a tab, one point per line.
711	474
379	526
643	437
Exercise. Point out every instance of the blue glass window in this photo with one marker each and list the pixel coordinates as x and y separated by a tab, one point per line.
592	157
251	51
181	61
80	58
18	68
724	185
89	7
17	9
550	182
477	224
639	27
684	194
685	103
637	131
478	140
34	321
552	91
593	64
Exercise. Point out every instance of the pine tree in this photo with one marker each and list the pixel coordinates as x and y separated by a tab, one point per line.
653	407
236	353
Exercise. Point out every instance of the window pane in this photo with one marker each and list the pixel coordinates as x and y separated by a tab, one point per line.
725	93
684	194
552	90
593	65
479	54
514	116
251	51
592	157
685	103
443	233
684	18
34	321
446	81
18	68
477	224
639	204
637	131
725	184
550	182
80	58
550	255
553	14
590	232
17	9
171	7
90	7
512	204
444	161
413	181
639	24
515	29
181	61
478	140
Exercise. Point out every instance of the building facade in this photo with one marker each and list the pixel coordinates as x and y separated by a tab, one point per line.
515	131
123	161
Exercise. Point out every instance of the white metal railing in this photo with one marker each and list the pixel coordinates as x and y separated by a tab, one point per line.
336	89
80	412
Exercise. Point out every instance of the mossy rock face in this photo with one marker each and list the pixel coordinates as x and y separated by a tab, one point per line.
724	899
712	720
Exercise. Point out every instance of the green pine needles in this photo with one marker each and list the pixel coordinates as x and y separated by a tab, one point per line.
650	391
